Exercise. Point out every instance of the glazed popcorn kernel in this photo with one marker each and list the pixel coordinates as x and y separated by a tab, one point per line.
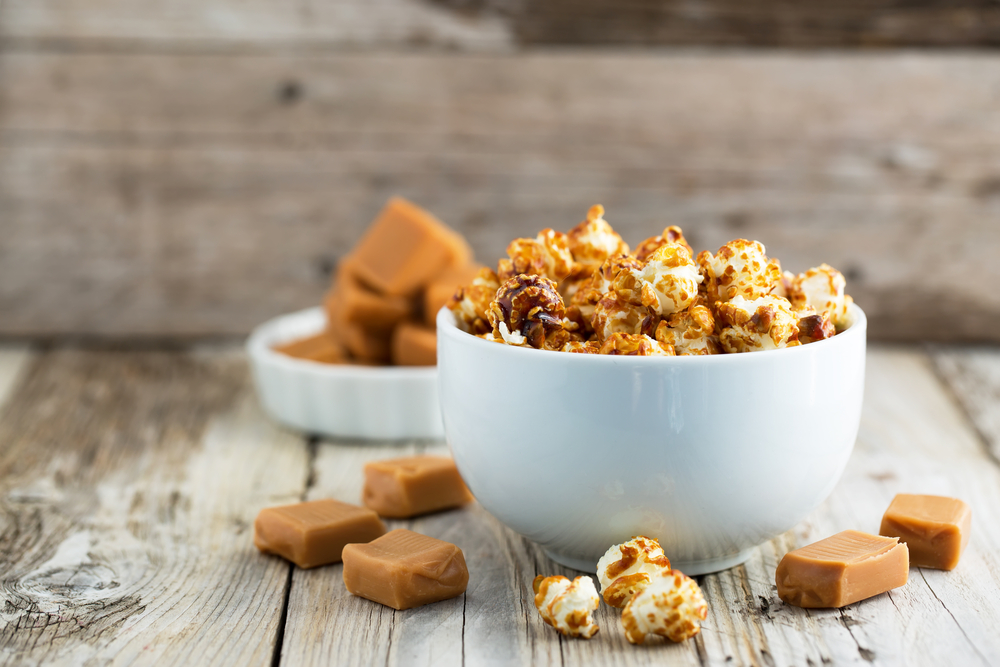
593	240
546	255
636	345
740	268
599	282
673	277
625	569
617	314
690	332
766	323
815	327
471	304
527	309
671	234
671	606
567	605
821	288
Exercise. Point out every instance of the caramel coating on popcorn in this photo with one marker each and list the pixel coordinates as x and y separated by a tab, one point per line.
815	327
528	310
690	332
672	277
822	288
635	345
582	347
672	234
586	298
740	268
546	255
766	323
567	605
593	240
471	304
626	569
616	313
671	605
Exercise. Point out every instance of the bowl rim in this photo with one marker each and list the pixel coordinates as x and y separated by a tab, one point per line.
448	329
260	342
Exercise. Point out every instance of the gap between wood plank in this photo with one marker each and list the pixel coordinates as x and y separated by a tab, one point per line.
933	352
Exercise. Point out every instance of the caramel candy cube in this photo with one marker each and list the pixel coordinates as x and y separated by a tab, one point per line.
842	569
443	286
414	345
403	569
934	528
405	248
405	487
322	347
350	301
314	533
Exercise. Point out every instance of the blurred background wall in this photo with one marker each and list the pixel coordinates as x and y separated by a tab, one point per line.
188	168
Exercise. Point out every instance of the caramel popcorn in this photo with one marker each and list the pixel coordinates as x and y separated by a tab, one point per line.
471	304
740	268
766	323
626	569
567	605
670	605
527	310
583	293
593	240
822	288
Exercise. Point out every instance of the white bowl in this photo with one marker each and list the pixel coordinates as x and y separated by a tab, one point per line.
368	402
711	455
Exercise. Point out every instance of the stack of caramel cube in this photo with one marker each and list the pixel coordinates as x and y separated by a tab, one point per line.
388	290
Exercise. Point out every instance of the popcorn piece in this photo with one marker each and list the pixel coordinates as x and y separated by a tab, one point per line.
626	569
673	277
690	332
740	268
582	347
471	304
527	310
566	605
822	287
616	314
635	345
766	323
671	234
546	255
815	327
593	240
599	283
671	606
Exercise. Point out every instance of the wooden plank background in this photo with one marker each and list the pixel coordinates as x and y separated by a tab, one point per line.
190	169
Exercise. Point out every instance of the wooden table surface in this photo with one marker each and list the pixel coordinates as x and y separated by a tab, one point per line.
129	481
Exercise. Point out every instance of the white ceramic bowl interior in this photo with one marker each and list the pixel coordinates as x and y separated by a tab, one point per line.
340	400
711	455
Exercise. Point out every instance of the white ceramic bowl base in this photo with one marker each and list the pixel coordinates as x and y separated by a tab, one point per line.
340	400
710	455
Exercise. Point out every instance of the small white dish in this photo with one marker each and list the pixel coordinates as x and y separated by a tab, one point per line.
340	400
710	455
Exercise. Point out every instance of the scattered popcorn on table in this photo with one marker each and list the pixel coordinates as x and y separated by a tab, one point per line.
671	605
627	568
582	292
567	605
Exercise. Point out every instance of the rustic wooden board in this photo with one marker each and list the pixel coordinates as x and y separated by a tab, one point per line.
13	361
973	374
476	25
913	438
128	486
188	195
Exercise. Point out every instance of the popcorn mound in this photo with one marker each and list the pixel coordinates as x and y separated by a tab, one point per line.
583	292
567	605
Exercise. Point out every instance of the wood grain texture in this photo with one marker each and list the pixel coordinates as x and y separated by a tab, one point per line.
130	481
490	25
973	374
182	195
913	438
13	361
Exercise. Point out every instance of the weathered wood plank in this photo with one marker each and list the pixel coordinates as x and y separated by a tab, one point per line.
130	482
476	25
13	361
194	195
973	374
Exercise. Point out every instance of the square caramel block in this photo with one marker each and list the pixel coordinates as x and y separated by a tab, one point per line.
322	347
443	286
405	248
405	487
314	533
349	300
842	569
935	528
403	569
414	345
